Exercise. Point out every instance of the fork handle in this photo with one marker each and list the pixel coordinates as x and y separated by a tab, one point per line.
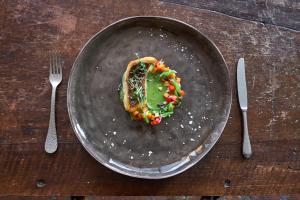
51	140
247	150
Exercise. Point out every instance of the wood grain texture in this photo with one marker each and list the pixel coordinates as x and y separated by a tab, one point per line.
34	198
283	197
285	13
29	29
144	198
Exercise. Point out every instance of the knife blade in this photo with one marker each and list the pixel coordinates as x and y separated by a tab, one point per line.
241	84
242	95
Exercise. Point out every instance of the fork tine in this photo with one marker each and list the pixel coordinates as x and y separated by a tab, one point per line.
54	63
58	63
51	63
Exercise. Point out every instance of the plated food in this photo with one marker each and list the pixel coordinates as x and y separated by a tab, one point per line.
150	90
106	130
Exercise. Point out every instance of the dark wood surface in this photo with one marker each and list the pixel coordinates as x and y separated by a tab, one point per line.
284	13
282	197
29	29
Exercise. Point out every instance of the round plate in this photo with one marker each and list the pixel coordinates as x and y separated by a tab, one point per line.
134	148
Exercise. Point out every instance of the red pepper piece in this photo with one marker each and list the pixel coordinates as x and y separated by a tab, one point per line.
171	98
156	121
171	88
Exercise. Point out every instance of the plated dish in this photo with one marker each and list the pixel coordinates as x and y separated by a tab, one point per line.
132	147
150	90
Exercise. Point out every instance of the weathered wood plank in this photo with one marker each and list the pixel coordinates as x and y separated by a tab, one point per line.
73	171
34	198
285	13
30	29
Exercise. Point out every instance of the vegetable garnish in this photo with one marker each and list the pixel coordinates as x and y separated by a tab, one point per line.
150	90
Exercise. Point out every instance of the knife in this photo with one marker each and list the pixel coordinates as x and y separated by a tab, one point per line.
242	94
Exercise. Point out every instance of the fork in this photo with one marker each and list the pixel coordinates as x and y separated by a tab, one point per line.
55	78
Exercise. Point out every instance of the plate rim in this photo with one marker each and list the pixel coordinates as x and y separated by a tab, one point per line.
190	163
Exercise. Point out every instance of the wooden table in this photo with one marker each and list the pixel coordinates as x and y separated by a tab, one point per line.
265	33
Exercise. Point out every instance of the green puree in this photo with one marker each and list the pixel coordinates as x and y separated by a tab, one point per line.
154	95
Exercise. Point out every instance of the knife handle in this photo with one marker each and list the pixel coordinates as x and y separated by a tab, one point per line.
247	150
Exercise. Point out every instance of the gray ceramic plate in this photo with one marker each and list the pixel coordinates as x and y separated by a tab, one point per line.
134	148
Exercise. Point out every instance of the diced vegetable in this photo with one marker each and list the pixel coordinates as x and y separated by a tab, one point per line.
156	121
153	123
177	87
146	119
171	88
170	106
150	116
181	92
166	114
166	74
165	69
135	113
171	98
159	68
171	76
